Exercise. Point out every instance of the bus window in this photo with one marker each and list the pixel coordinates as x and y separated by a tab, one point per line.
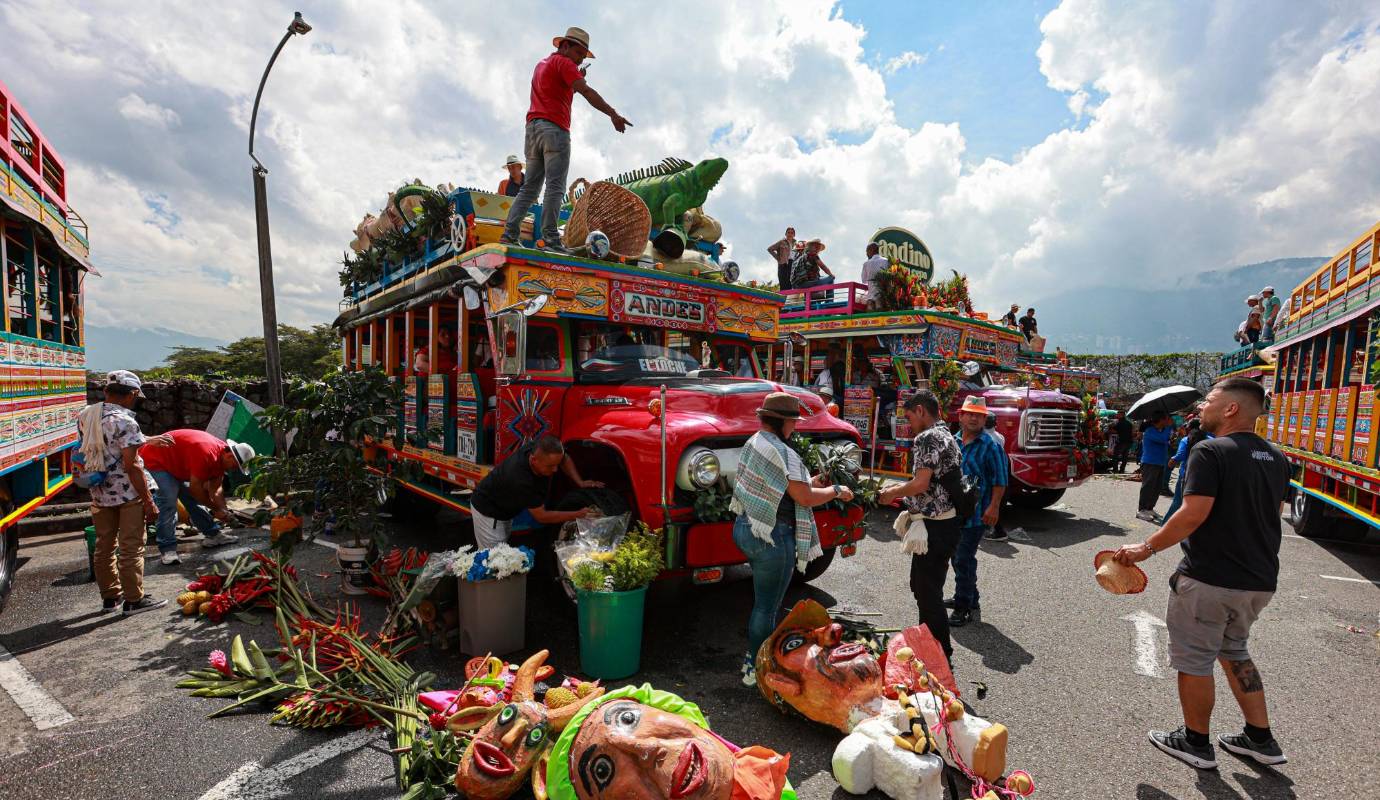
1340	270
1308	293
613	354
543	348
1363	252
733	359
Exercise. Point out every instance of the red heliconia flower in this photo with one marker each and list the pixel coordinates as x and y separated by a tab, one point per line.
220	663
437	720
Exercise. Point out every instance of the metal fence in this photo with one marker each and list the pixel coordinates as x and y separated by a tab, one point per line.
1131	375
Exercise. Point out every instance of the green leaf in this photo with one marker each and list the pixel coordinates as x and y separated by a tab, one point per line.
247	618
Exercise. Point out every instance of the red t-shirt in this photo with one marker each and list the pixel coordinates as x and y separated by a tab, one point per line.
195	455
552	89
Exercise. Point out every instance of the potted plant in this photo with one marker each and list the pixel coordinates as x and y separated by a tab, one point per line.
322	476
611	594
493	597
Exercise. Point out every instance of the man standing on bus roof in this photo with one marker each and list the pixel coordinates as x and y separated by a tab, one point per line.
523	482
1269	305
511	185
555	81
871	268
783	251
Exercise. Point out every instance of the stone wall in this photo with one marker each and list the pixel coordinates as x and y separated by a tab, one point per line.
181	403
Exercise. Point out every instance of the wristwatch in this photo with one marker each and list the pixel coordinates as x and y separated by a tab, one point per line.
1150	547
837	491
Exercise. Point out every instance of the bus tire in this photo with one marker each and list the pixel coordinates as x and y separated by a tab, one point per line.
1036	498
9	562
817	567
1309	518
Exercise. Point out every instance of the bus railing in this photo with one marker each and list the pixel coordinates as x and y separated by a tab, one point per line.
829	299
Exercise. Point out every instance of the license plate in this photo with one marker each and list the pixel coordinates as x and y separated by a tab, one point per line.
1072	471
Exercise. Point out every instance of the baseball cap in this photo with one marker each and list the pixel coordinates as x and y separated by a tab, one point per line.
126	379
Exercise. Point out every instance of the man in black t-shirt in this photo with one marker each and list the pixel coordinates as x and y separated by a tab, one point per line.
1125	437
522	482
1230	533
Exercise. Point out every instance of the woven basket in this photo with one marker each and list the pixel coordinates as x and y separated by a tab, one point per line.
608	207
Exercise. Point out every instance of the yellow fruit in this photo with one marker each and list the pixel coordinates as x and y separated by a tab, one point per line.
204	608
904	744
559	696
189	607
584	689
905	654
203	596
955	711
185	598
1019	782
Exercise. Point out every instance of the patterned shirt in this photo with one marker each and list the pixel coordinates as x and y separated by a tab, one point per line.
983	459
935	450
121	430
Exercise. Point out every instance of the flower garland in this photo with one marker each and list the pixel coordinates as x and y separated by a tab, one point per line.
946	377
1090	441
496	563
900	288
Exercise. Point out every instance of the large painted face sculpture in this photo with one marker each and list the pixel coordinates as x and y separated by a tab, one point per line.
625	749
514	740
805	665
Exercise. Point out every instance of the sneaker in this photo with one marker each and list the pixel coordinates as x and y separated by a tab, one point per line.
749	671
555	247
1175	743
1148	516
1242	745
949	602
170	557
510	242
145	603
218	538
963	616
996	535
111	604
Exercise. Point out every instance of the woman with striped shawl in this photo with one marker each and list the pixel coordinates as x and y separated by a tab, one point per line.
775	529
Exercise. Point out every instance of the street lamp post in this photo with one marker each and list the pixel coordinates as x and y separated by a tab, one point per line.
273	362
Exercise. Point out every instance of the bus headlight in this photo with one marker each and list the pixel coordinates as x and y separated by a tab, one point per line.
702	467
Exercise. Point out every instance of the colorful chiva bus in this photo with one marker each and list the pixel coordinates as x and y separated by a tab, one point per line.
1323	410
648	378
885	355
45	257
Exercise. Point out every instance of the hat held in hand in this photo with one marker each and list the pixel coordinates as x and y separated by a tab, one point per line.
1119	578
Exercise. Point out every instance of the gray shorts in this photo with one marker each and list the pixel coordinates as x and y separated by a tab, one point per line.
1208	622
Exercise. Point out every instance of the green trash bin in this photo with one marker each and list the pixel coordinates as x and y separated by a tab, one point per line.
611	633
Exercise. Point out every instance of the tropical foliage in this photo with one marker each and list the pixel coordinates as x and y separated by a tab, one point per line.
901	288
431	221
305	353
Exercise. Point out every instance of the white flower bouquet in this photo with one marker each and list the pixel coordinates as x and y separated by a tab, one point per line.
496	563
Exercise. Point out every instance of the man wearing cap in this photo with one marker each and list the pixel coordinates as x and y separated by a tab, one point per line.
1229	530
191	468
122	503
984	460
783	251
555	81
1253	319
1269	310
511	185
937	458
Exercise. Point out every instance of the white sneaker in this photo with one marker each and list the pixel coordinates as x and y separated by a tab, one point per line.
171	557
1148	516
219	538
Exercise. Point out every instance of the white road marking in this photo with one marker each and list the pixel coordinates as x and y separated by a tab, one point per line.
254	780
29	694
227	555
1145	644
1350	580
324	543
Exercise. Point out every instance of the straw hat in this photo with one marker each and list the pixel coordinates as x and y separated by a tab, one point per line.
781	405
576	35
513	159
1118	578
816	241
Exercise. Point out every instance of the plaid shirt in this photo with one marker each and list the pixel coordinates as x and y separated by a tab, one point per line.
757	492
983	459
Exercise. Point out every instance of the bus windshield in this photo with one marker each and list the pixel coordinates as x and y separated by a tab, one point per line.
608	354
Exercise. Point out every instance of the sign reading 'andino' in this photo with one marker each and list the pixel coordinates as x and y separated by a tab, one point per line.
907	249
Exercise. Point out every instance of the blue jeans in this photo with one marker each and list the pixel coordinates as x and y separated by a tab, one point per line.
169	491
1178	495
826	280
771	575
965	567
548	160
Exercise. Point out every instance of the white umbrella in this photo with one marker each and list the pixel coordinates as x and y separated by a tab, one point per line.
1165	400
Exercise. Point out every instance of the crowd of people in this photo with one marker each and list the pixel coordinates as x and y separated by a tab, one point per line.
1264	312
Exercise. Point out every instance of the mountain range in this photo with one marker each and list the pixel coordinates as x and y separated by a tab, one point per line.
1198	313
109	348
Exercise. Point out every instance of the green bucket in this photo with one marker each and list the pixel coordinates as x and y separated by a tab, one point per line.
611	633
151	537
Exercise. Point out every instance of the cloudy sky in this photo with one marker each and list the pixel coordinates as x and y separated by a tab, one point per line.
1032	144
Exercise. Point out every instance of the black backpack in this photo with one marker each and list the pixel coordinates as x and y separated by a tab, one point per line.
964	492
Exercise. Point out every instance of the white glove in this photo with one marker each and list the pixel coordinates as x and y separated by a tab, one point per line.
917	541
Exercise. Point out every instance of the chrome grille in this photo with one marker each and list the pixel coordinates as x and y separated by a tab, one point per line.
1048	429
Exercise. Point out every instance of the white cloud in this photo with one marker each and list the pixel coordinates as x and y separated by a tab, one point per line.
1205	135
135	108
909	58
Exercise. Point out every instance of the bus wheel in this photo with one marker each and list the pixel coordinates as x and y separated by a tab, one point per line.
1037	498
1309	518
817	567
9	561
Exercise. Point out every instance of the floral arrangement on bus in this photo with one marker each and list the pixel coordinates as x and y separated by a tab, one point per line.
1090	441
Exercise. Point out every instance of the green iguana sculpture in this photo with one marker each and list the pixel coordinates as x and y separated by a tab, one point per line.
673	187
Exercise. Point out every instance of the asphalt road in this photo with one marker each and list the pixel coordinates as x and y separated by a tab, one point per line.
1057	654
